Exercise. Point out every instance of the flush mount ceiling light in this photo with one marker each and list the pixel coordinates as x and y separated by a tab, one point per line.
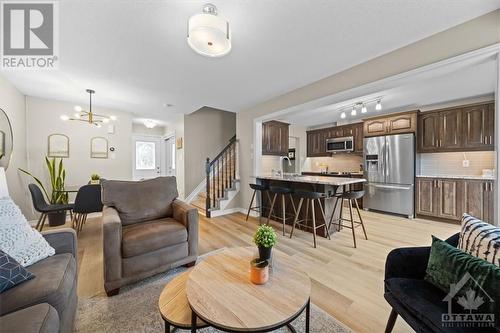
149	123
208	34
88	116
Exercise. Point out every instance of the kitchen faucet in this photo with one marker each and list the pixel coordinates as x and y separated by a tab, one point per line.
281	163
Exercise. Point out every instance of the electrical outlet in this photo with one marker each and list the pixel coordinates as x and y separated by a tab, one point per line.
465	163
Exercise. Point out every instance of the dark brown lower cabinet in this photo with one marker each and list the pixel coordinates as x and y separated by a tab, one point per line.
447	198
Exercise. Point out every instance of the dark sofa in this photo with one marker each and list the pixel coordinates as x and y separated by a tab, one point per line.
48	302
418	302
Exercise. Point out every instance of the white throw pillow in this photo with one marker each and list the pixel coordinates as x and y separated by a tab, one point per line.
480	239
18	239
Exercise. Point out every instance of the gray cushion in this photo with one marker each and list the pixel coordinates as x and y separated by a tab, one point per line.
55	279
146	237
140	201
40	318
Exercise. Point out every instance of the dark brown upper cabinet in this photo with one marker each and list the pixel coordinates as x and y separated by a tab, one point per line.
316	139
316	143
456	129
478	123
275	138
405	122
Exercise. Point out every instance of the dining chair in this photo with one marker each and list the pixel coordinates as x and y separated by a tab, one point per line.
88	200
43	207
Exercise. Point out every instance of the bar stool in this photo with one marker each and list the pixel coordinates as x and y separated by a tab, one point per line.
310	198
350	197
262	188
283	192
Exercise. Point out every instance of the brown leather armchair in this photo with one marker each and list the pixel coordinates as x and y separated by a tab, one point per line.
146	230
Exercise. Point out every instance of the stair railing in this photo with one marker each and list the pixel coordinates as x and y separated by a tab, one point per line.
221	173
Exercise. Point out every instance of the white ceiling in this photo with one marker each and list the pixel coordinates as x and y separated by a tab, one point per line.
473	81
135	54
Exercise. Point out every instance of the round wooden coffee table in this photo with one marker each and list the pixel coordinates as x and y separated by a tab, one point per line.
219	292
174	306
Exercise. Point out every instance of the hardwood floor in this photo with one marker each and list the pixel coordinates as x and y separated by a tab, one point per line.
346	282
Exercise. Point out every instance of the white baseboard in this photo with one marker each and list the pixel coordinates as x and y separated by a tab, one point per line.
201	186
222	212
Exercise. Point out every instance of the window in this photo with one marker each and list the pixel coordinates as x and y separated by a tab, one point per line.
145	155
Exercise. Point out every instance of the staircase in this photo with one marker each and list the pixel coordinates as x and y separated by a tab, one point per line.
221	184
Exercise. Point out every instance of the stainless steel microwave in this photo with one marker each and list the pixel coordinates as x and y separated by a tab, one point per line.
338	145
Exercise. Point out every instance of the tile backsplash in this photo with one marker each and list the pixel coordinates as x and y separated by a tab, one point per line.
451	163
341	162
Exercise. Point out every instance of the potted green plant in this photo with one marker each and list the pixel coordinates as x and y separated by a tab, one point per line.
95	178
57	177
265	238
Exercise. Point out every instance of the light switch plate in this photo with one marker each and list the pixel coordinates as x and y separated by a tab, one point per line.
465	163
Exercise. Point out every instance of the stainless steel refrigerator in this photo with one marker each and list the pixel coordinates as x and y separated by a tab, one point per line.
389	168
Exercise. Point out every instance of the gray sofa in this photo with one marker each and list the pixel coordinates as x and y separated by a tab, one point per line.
146	230
48	302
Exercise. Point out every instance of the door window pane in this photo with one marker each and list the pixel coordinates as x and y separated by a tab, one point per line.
145	155
172	148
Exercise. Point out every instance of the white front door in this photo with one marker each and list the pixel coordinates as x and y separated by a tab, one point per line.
147	160
170	156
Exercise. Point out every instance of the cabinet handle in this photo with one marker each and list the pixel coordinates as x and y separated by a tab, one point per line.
491	139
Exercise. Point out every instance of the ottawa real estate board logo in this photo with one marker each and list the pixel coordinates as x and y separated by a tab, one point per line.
29	35
469	305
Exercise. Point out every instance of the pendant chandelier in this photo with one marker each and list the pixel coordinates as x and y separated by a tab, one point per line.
88	117
208	34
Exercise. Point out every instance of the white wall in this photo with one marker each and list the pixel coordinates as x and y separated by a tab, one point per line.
43	120
175	126
13	103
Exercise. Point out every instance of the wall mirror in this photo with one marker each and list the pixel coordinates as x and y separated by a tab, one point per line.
6	140
58	145
98	147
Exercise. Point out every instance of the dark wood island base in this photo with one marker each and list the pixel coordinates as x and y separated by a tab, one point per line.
328	186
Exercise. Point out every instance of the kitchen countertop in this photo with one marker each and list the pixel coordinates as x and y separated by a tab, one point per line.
479	177
324	180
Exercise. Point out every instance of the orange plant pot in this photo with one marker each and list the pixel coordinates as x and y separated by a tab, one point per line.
259	275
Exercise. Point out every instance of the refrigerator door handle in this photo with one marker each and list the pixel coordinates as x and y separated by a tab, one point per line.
390	187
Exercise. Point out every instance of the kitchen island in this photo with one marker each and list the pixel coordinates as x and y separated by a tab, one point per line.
329	186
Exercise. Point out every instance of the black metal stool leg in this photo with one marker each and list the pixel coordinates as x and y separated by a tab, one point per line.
313	221
360	218
283	211
271	209
251	203
352	223
296	217
327	229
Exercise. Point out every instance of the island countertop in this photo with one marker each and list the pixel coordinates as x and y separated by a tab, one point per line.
333	181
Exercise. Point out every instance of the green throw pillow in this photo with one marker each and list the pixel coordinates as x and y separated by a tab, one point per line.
458	273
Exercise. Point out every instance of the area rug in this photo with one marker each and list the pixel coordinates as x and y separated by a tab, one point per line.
135	309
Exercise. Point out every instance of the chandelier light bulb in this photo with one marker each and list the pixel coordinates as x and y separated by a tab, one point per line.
208	34
78	108
76	115
342	115
378	107
105	120
363	108
112	117
64	117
